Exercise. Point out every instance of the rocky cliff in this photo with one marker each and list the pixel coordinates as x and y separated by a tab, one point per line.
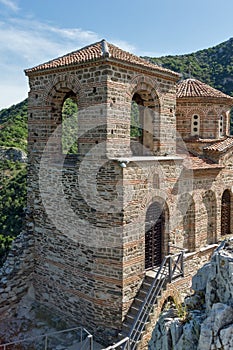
205	320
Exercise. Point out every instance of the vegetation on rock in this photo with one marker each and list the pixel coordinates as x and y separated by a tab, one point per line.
12	202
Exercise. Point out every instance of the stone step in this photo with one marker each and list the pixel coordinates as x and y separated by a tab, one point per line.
134	309
129	318
126	328
122	334
138	302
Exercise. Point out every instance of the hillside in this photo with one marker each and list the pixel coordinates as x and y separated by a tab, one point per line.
13	134
13	126
213	66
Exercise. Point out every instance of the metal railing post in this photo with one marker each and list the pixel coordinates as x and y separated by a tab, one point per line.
170	269
128	344
46	343
81	336
182	263
90	336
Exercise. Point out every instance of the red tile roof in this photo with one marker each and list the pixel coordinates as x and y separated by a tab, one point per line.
195	88
95	52
195	162
220	146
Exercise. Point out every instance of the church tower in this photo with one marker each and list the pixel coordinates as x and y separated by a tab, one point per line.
89	199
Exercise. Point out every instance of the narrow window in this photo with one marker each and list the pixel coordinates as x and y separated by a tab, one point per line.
69	126
221	126
195	127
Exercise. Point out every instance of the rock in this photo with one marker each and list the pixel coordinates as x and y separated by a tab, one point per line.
226	337
209	324
220	315
199	281
14	154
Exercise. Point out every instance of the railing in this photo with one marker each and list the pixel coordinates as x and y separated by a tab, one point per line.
83	337
124	343
171	267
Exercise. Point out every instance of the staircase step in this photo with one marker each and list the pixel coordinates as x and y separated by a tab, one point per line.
122	334
138	302
142	294
134	309
130	318
126	328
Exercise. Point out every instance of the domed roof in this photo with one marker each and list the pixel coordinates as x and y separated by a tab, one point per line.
196	88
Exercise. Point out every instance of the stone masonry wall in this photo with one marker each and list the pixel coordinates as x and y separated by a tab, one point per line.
16	273
78	205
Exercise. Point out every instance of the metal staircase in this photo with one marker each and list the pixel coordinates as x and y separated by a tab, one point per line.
139	313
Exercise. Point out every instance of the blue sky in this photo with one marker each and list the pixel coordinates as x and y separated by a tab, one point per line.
34	31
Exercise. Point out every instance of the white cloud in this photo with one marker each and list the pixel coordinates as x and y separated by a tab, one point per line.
25	42
124	45
10	4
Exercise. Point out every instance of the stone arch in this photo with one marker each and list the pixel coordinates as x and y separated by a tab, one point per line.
209	200
145	97
156	232
142	81
59	90
186	206
63	83
226	213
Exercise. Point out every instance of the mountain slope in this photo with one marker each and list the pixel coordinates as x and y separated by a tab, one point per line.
13	126
213	66
13	174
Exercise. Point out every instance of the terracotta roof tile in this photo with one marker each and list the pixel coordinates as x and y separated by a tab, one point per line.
195	162
220	146
96	52
196	88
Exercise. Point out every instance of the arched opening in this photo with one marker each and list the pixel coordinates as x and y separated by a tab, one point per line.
154	235
221	126
195	125
209	200
230	122
62	103
226	213
143	134
69	142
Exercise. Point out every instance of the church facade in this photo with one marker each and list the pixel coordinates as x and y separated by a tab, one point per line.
151	174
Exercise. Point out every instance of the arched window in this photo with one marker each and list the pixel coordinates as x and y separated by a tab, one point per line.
195	127
226	213
69	126
136	125
154	235
221	126
142	133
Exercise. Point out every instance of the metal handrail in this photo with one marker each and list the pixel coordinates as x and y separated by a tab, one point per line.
125	341
161	277
47	335
87	342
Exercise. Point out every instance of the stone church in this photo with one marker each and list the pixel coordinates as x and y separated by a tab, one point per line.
151	175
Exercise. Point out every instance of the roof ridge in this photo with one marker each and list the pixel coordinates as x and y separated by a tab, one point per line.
96	51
